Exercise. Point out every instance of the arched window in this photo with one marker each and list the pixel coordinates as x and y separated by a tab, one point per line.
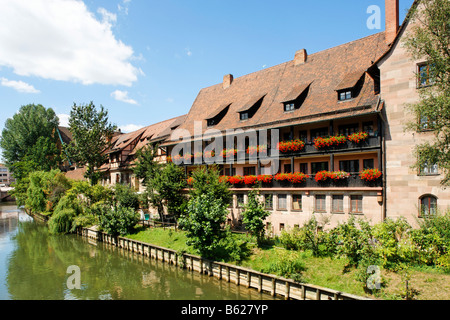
428	206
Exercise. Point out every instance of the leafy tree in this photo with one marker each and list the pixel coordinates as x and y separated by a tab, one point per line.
430	40
254	215
29	140
118	220
164	182
207	180
92	134
126	197
203	223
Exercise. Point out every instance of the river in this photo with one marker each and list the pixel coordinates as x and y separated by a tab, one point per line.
35	265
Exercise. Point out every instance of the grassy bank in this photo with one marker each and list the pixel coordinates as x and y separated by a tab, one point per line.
426	283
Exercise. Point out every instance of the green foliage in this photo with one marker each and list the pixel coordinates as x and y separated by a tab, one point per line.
202	223
126	197
91	133
254	215
29	137
118	220
207	180
287	265
164	183
430	41
61	222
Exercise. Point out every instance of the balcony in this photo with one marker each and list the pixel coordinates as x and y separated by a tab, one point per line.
353	181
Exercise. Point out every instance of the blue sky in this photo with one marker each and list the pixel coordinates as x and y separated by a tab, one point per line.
145	60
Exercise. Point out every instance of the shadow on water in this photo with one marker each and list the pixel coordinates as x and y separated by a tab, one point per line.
37	270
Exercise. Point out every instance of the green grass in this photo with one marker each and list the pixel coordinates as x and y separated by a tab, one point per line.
321	271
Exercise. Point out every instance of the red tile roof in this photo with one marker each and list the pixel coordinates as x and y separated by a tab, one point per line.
325	71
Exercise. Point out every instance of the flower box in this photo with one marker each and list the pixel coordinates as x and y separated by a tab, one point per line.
370	174
290	146
322	176
339	175
188	157
228	153
209	154
297	177
262	149
236	179
335	141
250	180
358	137
265	178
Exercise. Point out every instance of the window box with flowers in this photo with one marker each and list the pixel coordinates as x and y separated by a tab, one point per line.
177	159
370	175
190	181
358	137
209	154
265	178
236	180
252	150
335	141
290	146
228	153
188	157
169	159
198	155
250	180
322	176
297	177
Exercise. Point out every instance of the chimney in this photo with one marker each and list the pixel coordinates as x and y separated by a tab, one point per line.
300	57
392	20
227	80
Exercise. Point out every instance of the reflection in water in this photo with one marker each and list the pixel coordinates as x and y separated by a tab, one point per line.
36	268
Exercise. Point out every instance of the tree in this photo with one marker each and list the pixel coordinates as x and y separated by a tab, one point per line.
254	215
164	182
207	180
203	223
430	40
29	140
92	134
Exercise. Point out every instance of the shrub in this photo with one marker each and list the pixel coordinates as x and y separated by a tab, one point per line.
61	221
126	197
287	265
254	215
118	220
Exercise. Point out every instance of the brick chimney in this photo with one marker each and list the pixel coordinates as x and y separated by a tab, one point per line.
227	80
392	20
300	57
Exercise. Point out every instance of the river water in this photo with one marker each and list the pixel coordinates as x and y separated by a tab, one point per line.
34	265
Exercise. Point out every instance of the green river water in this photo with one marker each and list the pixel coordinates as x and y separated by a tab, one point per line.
34	266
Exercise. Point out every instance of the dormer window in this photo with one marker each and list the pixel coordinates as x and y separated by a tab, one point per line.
244	116
251	107
289	106
345	95
350	86
215	117
296	97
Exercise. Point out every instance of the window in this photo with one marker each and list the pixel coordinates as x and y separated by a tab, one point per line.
321	132
230	171
304	167
426	76
345	95
348	129
349	165
318	166
320	203
425	123
249	171
429	169
338	204
282	202
287	168
268	201
368	127
244	116
368	164
240	200
356	204
290	106
428	206
297	202
281	226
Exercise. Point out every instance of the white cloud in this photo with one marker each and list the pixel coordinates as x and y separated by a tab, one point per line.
130	128
63	119
188	52
19	86
123	96
62	40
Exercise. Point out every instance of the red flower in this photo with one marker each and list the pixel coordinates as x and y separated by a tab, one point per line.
224	178
266	178
322	176
370	174
357	137
209	154
250	179
198	155
321	143
290	146
190	181
236	179
339	175
297	177
281	176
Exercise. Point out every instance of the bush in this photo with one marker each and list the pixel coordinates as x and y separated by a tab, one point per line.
288	265
118	220
61	222
126	197
202	223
